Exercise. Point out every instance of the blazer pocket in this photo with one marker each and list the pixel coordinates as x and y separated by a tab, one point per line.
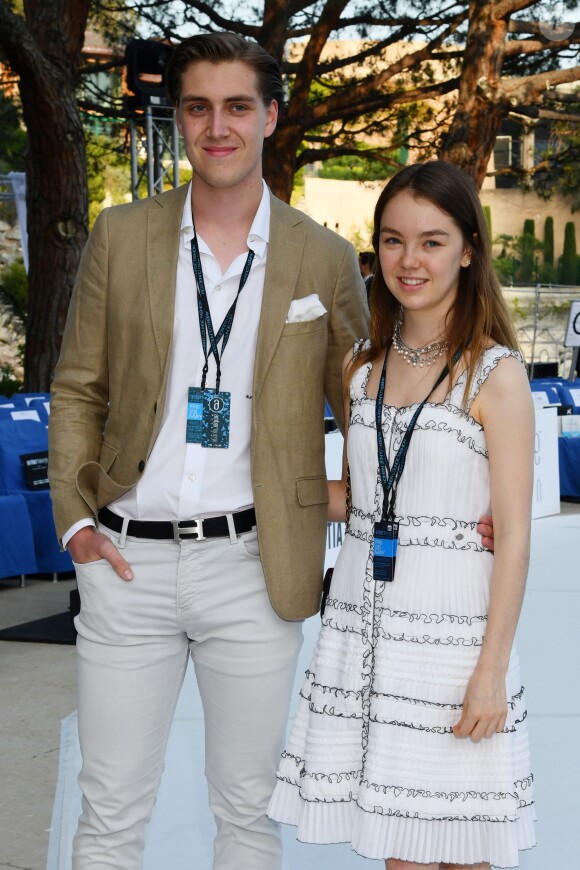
312	490
303	327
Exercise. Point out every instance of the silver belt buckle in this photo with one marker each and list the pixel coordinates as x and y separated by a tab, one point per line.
190	527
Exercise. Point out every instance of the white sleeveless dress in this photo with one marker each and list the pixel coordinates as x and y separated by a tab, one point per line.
371	758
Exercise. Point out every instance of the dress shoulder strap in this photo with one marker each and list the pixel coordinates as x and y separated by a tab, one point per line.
488	361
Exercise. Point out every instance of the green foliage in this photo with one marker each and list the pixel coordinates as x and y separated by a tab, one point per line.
108	171
355	168
549	240
117	23
362	238
505	265
518	312
568	258
518	260
487	216
529	227
505	269
14	288
549	274
559	171
12	136
9	382
528	240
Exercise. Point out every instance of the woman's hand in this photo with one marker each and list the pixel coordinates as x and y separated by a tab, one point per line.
484	706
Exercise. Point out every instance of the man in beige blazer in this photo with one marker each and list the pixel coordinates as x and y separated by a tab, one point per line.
187	548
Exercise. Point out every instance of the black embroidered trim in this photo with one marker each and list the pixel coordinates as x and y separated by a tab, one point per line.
434	641
398	813
434	729
355	694
337	604
437	618
428	618
449	796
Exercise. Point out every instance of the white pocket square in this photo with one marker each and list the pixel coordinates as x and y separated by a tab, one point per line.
306	308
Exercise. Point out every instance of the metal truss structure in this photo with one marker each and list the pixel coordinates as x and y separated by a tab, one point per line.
154	143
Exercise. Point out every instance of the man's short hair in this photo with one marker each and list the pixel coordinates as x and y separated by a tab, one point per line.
367	258
225	48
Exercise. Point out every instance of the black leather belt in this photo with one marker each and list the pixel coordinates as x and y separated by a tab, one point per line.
165	530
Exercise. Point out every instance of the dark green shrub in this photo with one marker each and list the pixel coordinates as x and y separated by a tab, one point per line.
568	259
549	240
9	383
14	287
487	216
549	274
528	246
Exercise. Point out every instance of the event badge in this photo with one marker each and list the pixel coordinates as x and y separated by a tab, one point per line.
208	418
215	421
385	550
194	415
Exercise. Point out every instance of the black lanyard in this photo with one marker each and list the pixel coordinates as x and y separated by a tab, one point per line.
391	483
205	322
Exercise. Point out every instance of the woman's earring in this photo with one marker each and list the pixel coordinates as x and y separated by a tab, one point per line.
466	263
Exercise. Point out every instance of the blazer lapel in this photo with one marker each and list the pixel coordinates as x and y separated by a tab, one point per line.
285	247
163	236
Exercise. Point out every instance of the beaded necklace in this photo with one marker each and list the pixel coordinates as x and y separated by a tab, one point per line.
418	356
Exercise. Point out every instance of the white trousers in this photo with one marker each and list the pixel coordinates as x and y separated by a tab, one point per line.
208	600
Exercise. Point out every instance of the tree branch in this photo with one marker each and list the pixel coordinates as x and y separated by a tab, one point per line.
505	8
343	106
525	89
515	47
225	23
341	102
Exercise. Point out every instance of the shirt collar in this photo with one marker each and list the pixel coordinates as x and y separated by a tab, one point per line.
259	234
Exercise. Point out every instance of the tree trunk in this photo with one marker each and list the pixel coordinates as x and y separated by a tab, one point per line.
482	103
57	206
280	159
44	50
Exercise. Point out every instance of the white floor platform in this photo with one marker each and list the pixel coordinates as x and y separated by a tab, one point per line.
181	832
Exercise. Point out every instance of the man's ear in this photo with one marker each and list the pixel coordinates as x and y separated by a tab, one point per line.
271	118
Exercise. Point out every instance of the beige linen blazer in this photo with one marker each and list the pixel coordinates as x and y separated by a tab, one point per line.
111	379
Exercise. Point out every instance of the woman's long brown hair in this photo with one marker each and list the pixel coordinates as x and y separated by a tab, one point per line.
479	311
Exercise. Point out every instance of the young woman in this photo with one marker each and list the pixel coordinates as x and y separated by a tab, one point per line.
410	741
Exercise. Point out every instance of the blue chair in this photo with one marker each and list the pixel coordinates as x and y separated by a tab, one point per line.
570	394
42	408
545	392
22	400
18	438
49	558
569	463
20	413
17	553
